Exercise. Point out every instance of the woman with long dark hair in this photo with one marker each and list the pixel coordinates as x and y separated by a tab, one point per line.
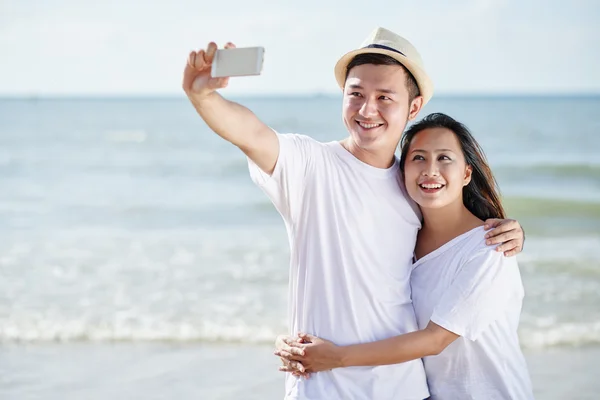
467	297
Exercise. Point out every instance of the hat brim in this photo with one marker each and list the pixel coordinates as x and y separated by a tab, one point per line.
423	82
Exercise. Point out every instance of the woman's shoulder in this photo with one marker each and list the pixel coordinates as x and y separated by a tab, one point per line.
478	249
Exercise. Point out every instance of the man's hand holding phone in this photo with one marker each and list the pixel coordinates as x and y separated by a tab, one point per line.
209	70
197	79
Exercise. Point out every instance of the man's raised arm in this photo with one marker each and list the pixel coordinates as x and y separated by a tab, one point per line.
232	121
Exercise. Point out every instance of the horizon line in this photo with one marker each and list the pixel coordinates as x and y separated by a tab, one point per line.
173	96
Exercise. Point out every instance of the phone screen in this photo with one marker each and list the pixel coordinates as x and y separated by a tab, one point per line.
243	61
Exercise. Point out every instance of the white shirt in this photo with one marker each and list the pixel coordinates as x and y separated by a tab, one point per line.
352	234
476	292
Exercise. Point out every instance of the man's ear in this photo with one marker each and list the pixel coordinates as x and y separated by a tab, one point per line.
415	107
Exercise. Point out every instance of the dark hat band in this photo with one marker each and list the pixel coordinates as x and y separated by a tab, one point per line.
380	46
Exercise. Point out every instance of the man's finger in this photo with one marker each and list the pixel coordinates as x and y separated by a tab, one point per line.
509	246
192	59
229	45
491	223
210	52
504	226
510	253
503	237
222	82
199	60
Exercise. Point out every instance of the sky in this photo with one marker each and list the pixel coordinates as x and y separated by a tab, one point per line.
138	48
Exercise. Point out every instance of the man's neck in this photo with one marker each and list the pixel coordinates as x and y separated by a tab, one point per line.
380	159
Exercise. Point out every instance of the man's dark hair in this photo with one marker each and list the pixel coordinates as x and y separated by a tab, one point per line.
382	59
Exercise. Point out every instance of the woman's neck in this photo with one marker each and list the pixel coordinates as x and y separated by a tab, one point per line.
441	225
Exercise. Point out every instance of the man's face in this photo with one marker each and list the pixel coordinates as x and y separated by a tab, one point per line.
376	107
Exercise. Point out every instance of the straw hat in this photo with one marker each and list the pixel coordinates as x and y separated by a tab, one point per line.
383	41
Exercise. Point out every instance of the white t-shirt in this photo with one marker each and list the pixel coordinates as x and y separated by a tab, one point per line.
476	292
352	234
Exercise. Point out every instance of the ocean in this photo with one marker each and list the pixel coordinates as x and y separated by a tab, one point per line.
137	259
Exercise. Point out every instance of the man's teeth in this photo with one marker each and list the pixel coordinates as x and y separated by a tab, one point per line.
431	185
368	126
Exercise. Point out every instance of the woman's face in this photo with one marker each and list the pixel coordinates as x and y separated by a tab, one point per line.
435	170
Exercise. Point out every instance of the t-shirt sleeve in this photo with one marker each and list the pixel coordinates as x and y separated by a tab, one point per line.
285	186
478	295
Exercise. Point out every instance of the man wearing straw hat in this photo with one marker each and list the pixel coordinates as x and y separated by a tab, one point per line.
351	227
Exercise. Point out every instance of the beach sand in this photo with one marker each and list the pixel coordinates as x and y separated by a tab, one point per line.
216	371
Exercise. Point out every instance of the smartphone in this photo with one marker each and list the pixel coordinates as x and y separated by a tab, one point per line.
243	61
